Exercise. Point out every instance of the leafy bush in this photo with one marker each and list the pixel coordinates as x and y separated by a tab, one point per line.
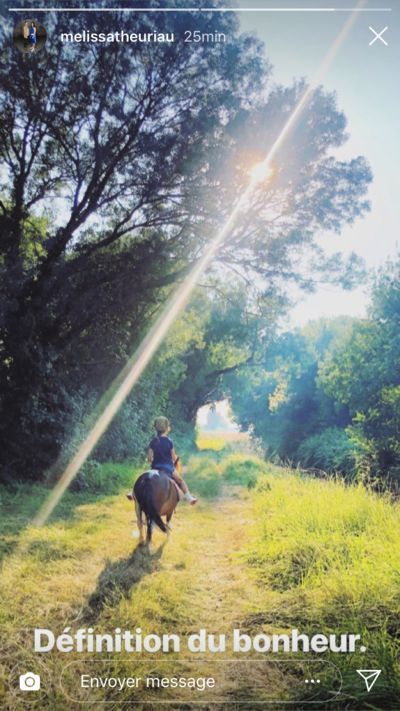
243	469
96	478
330	450
204	477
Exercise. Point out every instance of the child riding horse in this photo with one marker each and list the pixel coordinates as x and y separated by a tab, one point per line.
156	491
161	455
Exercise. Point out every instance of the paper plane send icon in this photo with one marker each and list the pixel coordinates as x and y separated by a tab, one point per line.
370	676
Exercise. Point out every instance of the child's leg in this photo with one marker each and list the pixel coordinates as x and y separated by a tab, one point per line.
182	484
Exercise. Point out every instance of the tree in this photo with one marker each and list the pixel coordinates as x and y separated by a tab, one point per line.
281	400
111	149
114	168
363	374
236	328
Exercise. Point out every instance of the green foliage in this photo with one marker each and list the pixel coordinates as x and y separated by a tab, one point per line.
282	402
82	280
243	469
105	479
204	477
317	556
234	329
331	450
328	395
363	374
19	505
331	554
113	180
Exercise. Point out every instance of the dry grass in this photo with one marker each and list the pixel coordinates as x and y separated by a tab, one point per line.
294	553
217	441
329	556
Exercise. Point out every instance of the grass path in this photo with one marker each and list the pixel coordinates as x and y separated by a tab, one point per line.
84	569
88	570
223	593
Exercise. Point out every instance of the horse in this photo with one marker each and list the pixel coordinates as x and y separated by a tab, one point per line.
155	494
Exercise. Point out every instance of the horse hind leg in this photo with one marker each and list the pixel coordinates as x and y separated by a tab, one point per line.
169	527
149	530
174	500
139	521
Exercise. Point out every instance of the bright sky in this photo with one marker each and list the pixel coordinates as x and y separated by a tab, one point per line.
366	80
223	408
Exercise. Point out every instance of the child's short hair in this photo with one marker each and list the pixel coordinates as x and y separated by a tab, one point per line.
161	424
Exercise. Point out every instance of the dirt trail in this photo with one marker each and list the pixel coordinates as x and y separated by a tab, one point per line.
224	593
198	579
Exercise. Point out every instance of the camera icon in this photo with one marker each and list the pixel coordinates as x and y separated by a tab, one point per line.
29	682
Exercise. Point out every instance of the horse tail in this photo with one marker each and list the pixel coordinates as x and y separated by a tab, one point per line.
149	508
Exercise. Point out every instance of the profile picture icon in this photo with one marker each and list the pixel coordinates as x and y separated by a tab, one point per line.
29	36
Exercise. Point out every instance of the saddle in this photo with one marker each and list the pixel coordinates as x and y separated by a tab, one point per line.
155	472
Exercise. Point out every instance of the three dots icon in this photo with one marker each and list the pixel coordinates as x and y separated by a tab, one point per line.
312	681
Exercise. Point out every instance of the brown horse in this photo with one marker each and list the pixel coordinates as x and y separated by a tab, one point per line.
155	494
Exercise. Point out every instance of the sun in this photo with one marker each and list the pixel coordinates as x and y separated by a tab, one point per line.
261	172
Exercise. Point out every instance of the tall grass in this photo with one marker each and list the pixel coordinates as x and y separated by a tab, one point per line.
206	474
86	569
243	469
294	552
19	505
330	555
211	441
204	477
107	478
218	441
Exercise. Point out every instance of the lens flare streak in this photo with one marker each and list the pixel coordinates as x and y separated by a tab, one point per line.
122	386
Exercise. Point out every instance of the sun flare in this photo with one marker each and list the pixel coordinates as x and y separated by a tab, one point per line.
122	385
261	172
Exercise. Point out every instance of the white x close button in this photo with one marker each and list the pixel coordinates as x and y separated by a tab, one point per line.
378	36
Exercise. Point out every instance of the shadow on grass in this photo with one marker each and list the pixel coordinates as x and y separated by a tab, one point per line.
20	504
17	510
7	546
118	578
